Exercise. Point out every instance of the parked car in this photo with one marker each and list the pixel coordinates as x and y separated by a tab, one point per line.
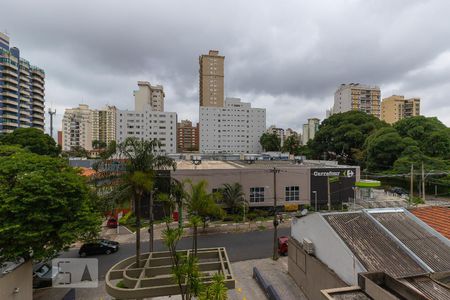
398	190
109	242
112	223
283	245
43	274
97	247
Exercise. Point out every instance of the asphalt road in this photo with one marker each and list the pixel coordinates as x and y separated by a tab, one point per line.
239	246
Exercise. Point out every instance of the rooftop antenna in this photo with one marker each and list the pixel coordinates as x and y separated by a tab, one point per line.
51	113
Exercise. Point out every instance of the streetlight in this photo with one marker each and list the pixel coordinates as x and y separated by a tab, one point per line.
315	200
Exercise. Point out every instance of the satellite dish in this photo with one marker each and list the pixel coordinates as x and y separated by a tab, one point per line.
304	212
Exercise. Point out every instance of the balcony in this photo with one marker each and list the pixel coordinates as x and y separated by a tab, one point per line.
38	110
38	97
8	72
8	123
9	94
9	117
37	122
24	71
38	92
38	104
38	79
24	105
10	87
25	113
8	109
8	63
25	79
24	92
10	80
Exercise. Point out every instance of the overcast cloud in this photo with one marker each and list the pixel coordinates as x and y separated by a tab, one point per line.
286	56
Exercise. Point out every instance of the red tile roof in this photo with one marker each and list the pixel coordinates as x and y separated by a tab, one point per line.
87	172
437	217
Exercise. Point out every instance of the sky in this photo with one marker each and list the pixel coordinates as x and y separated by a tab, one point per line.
286	56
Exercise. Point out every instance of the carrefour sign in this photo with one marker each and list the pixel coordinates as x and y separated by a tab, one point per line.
343	173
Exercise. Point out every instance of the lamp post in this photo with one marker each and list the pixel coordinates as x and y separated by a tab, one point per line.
315	200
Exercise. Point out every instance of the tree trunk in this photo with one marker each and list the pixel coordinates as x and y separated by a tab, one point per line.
151	219
180	214
138	230
195	240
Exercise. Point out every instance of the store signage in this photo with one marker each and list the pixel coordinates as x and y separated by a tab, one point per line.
344	173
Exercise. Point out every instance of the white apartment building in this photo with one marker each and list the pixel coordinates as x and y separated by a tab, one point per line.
149	95
309	130
234	128
148	125
77	128
359	97
148	121
278	131
82	125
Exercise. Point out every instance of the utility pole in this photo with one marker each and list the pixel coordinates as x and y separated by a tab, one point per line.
423	183
51	113
328	193
275	171
411	191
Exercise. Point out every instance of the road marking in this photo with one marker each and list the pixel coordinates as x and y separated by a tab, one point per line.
239	290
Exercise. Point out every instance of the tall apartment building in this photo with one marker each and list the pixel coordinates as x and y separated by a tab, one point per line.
22	89
148	122
290	132
83	125
234	128
149	95
187	136
77	128
360	97
310	129
395	108
212	79
104	124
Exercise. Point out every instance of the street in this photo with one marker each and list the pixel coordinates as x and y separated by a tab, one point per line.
239	246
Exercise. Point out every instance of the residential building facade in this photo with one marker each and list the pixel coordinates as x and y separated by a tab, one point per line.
148	122
211	79
187	136
234	128
22	90
395	108
83	125
310	129
359	97
77	128
149	95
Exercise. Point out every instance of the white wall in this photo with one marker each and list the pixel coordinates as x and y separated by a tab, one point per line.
328	247
235	128
148	125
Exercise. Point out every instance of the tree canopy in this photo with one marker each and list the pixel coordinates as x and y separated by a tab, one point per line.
342	136
33	139
44	205
270	142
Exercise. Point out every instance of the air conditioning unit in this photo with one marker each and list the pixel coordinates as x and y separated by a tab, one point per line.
308	246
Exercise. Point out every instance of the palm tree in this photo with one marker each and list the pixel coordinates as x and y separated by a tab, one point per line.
201	203
233	197
178	192
135	180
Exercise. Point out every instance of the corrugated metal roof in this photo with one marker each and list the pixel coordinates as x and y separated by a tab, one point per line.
373	248
428	287
437	217
422	243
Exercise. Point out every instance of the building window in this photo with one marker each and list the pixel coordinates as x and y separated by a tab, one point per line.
292	193
257	194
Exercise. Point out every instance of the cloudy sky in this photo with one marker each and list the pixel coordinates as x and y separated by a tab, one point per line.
286	56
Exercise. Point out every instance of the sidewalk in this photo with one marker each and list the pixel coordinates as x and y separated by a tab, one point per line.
126	236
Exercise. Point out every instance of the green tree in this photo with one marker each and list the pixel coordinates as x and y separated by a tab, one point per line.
217	290
292	145
201	203
343	135
432	136
233	197
33	139
137	179
270	142
384	147
76	151
177	189
96	144
45	205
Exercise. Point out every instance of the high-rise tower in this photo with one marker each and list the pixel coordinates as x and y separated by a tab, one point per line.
212	79
21	90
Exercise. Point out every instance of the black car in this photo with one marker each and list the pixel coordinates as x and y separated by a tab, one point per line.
98	247
43	274
398	190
